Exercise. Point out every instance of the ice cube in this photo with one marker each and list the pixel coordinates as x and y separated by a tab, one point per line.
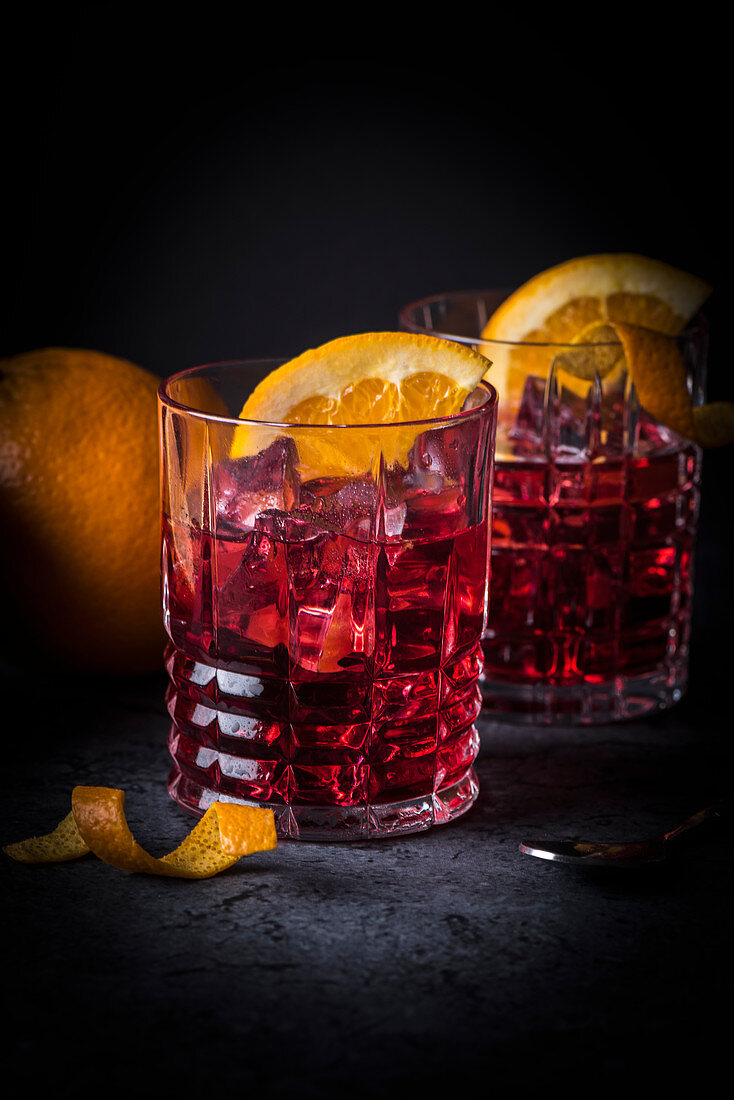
439	457
562	420
528	427
295	526
344	505
245	487
433	486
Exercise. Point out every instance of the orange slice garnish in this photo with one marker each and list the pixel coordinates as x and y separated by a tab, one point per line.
616	313
556	304
583	300
96	823
371	378
374	378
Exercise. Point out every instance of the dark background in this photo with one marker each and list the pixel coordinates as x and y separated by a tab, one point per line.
180	193
237	183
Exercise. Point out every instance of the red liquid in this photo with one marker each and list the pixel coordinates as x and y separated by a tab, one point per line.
314	667
591	583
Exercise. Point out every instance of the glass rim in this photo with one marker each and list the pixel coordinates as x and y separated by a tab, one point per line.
697	327
170	402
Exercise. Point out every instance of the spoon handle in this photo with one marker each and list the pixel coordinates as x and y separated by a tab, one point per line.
718	811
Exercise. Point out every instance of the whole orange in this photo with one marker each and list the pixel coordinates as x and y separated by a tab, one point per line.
79	513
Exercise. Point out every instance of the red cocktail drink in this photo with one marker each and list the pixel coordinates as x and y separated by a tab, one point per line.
325	632
594	516
592	576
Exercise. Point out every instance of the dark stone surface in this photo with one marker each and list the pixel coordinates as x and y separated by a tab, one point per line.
415	962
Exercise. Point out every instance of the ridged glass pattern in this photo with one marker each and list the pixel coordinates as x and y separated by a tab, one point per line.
325	633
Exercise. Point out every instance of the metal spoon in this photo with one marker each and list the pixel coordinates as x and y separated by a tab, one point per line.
627	854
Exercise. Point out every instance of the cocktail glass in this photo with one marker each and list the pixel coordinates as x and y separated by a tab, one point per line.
324	594
594	517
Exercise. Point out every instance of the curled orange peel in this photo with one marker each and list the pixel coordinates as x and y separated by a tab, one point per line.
658	371
96	823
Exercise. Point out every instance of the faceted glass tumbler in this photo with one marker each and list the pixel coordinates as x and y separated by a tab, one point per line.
325	594
594	518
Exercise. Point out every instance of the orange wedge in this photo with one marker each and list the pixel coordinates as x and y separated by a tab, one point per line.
613	313
96	823
372	379
556	304
583	299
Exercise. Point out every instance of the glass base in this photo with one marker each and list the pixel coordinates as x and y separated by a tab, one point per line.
328	823
621	699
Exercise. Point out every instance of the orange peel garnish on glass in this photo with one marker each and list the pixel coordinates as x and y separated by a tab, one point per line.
609	299
372	379
658	372
226	832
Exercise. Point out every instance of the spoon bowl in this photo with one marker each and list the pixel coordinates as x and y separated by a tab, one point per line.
636	853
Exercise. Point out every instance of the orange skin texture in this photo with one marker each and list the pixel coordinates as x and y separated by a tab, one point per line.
97	824
80	512
661	385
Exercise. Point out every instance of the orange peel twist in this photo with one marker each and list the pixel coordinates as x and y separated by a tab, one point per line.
97	823
658	371
659	374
